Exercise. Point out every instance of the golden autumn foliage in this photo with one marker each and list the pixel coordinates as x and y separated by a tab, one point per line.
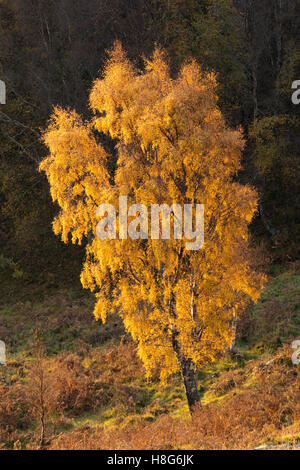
173	146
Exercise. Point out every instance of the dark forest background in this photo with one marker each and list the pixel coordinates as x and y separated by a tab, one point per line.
52	51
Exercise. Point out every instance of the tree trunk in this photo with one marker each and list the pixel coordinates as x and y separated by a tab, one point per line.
190	380
232	348
189	375
42	435
278	18
271	230
254	90
187	367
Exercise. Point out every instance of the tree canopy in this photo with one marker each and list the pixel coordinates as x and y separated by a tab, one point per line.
173	146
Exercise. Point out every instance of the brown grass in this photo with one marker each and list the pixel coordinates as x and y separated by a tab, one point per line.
260	403
67	384
262	409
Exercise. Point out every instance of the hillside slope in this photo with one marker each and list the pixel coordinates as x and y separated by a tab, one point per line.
96	394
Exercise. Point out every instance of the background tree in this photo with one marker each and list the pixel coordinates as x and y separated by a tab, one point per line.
273	151
38	388
173	146
253	46
51	53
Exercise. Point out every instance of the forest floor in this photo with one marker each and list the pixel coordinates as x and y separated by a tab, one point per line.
95	392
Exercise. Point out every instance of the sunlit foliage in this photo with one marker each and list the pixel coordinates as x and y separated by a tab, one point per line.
173	146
